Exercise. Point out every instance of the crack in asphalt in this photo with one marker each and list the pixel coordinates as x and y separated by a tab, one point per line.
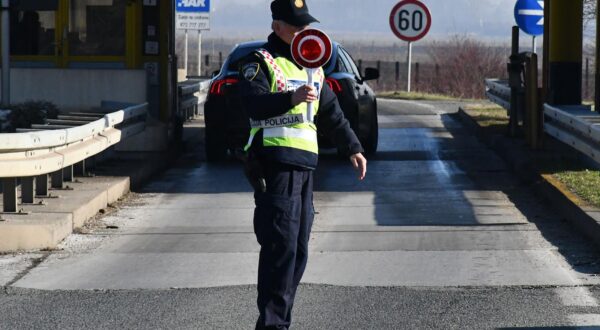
34	263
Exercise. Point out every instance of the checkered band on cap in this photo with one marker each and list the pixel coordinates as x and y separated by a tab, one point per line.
279	76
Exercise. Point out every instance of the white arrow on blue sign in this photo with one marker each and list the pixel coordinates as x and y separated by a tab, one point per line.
529	15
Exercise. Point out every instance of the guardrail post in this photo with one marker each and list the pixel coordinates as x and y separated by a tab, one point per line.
68	173
27	190
79	169
41	185
9	195
534	115
90	163
514	75
57	179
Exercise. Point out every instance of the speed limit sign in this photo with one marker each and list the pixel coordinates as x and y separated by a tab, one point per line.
410	20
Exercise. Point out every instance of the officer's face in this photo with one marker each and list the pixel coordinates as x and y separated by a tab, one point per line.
286	31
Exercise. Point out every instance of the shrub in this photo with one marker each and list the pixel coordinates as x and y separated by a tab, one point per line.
23	115
465	63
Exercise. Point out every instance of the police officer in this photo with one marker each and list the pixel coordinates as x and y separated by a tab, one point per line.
283	148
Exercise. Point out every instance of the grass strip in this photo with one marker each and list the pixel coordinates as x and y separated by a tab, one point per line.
490	117
581	181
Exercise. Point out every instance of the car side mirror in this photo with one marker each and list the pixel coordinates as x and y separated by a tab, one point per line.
371	74
215	73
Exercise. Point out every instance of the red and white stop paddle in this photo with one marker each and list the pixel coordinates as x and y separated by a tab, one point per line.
311	49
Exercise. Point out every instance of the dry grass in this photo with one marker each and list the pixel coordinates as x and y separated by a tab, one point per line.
417	96
489	116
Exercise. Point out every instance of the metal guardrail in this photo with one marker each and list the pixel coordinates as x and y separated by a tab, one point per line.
576	126
498	92
192	94
60	150
519	95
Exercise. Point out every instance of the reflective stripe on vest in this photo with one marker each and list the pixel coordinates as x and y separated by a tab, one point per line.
280	121
288	130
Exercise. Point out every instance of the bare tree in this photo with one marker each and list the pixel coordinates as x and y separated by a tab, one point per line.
589	10
464	64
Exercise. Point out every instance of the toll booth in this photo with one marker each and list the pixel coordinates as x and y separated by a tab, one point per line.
76	53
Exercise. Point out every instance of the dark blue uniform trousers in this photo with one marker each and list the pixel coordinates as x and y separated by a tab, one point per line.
282	222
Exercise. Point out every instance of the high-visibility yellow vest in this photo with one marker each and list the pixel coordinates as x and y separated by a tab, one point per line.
293	129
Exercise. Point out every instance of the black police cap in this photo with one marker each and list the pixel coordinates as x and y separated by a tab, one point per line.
294	12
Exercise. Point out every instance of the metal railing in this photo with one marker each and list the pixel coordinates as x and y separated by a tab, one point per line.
576	126
60	149
498	91
192	94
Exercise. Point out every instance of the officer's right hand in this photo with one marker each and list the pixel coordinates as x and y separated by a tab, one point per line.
304	94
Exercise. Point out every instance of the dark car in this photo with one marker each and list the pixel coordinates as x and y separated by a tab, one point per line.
228	128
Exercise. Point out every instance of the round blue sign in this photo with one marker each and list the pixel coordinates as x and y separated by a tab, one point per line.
529	15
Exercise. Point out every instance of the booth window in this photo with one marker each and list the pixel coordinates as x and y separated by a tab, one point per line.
32	32
97	27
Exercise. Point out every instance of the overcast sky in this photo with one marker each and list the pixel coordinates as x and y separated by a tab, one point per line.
367	18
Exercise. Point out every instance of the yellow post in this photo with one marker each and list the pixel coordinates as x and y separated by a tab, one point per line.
167	15
133	52
565	51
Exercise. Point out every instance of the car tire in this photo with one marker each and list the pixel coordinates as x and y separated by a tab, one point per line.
372	140
214	144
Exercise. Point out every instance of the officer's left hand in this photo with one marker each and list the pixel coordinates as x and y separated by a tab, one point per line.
360	165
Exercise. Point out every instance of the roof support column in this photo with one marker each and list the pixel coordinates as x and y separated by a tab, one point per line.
565	51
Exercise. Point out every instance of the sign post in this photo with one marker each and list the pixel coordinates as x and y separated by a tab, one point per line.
311	49
529	15
410	20
192	15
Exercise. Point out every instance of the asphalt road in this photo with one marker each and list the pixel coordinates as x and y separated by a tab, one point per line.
440	235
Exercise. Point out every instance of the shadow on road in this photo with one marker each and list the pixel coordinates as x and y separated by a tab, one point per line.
433	173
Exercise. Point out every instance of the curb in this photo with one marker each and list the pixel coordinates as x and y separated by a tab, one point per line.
47	225
522	161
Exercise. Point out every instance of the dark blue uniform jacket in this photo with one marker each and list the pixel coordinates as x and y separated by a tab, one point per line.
261	104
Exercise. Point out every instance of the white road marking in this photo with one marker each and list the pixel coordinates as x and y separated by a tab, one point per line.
585	320
579	297
576	296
